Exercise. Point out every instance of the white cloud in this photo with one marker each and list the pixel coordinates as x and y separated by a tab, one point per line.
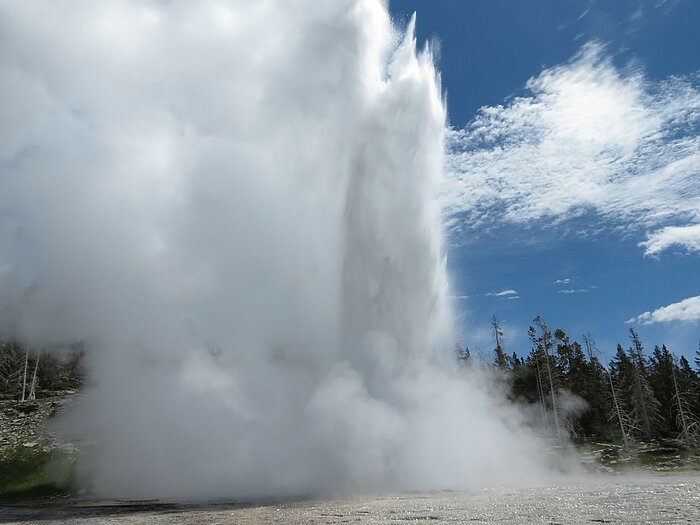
568	280
504	293
686	236
588	137
687	310
573	291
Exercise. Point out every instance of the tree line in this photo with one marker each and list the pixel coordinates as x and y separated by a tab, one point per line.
30	373
633	396
575	391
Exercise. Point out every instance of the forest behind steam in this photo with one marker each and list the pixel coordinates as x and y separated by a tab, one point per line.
637	395
634	396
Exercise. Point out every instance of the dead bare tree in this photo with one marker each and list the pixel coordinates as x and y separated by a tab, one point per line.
543	343
686	421
623	419
24	376
644	405
540	389
32	388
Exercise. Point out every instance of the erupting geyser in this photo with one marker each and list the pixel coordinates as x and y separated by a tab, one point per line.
233	205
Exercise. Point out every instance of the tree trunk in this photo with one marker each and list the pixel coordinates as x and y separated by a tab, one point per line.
32	389
540	391
682	419
617	409
554	403
24	377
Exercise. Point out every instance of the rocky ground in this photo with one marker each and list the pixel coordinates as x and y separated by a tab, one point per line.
607	499
23	424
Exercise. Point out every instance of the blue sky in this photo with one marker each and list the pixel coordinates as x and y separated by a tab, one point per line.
574	186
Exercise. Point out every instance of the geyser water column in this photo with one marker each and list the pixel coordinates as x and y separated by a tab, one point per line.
232	204
394	285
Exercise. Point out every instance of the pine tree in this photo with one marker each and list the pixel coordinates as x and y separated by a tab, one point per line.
686	372
588	379
563	353
620	379
660	374
536	362
501	358
546	370
644	406
577	378
524	380
595	421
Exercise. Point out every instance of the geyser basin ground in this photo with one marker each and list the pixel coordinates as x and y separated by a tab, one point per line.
608	499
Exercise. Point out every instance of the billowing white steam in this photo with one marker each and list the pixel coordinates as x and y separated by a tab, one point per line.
232	204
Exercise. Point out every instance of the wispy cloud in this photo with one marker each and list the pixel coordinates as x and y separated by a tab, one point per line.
588	137
567	280
687	310
573	291
504	293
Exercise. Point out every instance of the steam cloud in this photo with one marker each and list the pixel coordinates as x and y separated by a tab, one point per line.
233	204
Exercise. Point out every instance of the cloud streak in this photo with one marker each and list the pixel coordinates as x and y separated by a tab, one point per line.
504	293
588	137
567	280
687	310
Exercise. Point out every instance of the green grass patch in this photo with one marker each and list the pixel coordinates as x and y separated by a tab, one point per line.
661	456
28	474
